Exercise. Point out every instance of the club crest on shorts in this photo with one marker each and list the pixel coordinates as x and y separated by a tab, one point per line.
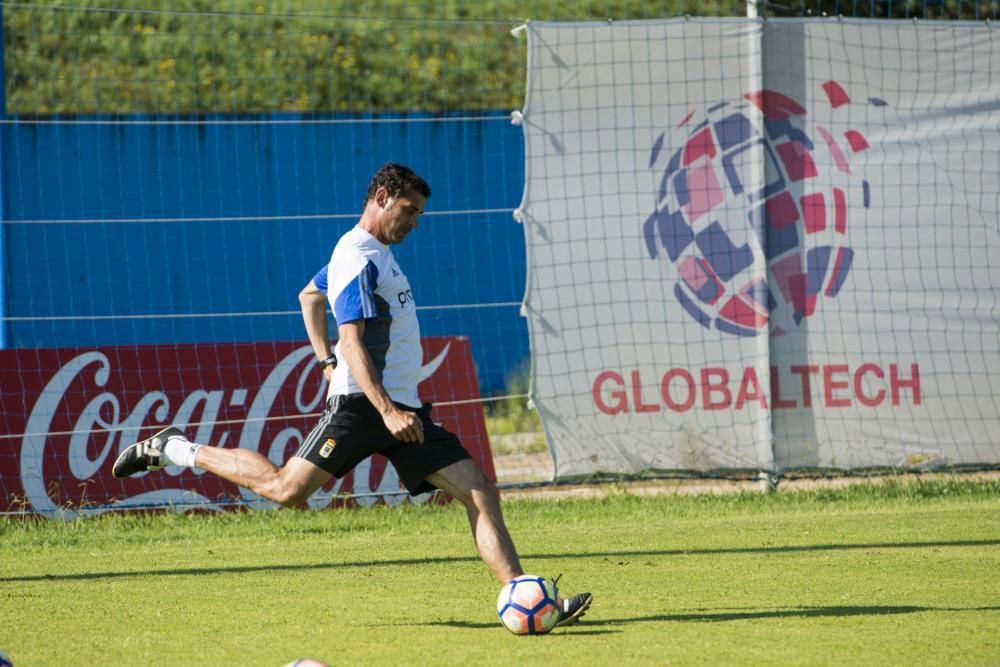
327	448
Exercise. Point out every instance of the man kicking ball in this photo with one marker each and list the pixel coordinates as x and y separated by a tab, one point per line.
372	404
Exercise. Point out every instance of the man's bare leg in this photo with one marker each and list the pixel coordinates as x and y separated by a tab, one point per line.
290	485
466	482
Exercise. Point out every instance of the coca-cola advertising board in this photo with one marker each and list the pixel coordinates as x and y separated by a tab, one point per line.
67	413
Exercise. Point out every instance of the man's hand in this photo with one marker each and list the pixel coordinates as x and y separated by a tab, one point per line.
404	425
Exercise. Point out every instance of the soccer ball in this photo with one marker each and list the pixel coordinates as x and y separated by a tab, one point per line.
529	605
307	663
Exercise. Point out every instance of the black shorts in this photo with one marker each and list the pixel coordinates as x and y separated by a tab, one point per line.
351	430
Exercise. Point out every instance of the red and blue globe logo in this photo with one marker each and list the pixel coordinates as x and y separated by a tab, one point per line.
753	209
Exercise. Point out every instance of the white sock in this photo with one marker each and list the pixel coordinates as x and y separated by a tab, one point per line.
180	451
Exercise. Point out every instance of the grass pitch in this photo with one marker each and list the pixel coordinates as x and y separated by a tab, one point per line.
902	573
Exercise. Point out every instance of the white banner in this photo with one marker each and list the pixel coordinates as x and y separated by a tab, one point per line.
763	244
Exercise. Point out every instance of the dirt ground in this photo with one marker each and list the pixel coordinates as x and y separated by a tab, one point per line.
525	474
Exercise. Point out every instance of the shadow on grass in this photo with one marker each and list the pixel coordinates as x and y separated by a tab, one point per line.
438	560
711	616
582	628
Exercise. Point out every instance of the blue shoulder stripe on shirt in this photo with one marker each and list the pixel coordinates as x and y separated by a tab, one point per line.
320	279
357	300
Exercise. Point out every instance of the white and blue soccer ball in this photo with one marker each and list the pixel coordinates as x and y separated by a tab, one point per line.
529	605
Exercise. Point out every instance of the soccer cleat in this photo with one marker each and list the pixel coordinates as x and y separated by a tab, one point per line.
145	455
573	608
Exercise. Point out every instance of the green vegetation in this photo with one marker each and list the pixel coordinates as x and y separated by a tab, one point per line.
900	573
513	425
243	56
252	56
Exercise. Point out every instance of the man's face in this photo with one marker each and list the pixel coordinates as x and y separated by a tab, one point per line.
399	215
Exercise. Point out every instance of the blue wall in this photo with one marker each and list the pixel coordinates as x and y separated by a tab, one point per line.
66	171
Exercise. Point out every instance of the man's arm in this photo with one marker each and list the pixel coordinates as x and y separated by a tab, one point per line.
403	424
313	302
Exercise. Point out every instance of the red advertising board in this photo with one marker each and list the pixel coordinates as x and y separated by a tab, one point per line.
65	414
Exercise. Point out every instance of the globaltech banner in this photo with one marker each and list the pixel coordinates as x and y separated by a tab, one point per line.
763	244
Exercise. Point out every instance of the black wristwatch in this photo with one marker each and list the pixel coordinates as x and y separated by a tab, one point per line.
330	361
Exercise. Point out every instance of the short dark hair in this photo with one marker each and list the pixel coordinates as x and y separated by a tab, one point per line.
396	179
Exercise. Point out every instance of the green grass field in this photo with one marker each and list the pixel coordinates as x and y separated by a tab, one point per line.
899	574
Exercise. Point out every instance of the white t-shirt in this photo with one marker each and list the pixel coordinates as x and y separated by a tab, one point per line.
365	282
